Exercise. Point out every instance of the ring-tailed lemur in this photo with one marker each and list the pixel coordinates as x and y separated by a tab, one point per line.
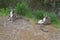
42	22
12	15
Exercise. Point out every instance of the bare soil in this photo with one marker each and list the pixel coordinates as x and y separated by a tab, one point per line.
23	29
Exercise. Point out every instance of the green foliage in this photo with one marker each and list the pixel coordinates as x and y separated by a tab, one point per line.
4	12
45	1
39	14
52	16
23	9
56	24
29	15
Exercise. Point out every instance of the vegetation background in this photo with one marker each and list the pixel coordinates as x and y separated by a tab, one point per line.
33	9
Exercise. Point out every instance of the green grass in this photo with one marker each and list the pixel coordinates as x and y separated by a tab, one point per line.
4	12
56	24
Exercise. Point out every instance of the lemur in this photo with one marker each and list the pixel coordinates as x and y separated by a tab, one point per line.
44	21
12	15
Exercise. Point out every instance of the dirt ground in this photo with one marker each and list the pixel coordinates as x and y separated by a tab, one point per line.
23	29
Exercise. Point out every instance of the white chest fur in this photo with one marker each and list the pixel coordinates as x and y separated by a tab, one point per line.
42	21
11	14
